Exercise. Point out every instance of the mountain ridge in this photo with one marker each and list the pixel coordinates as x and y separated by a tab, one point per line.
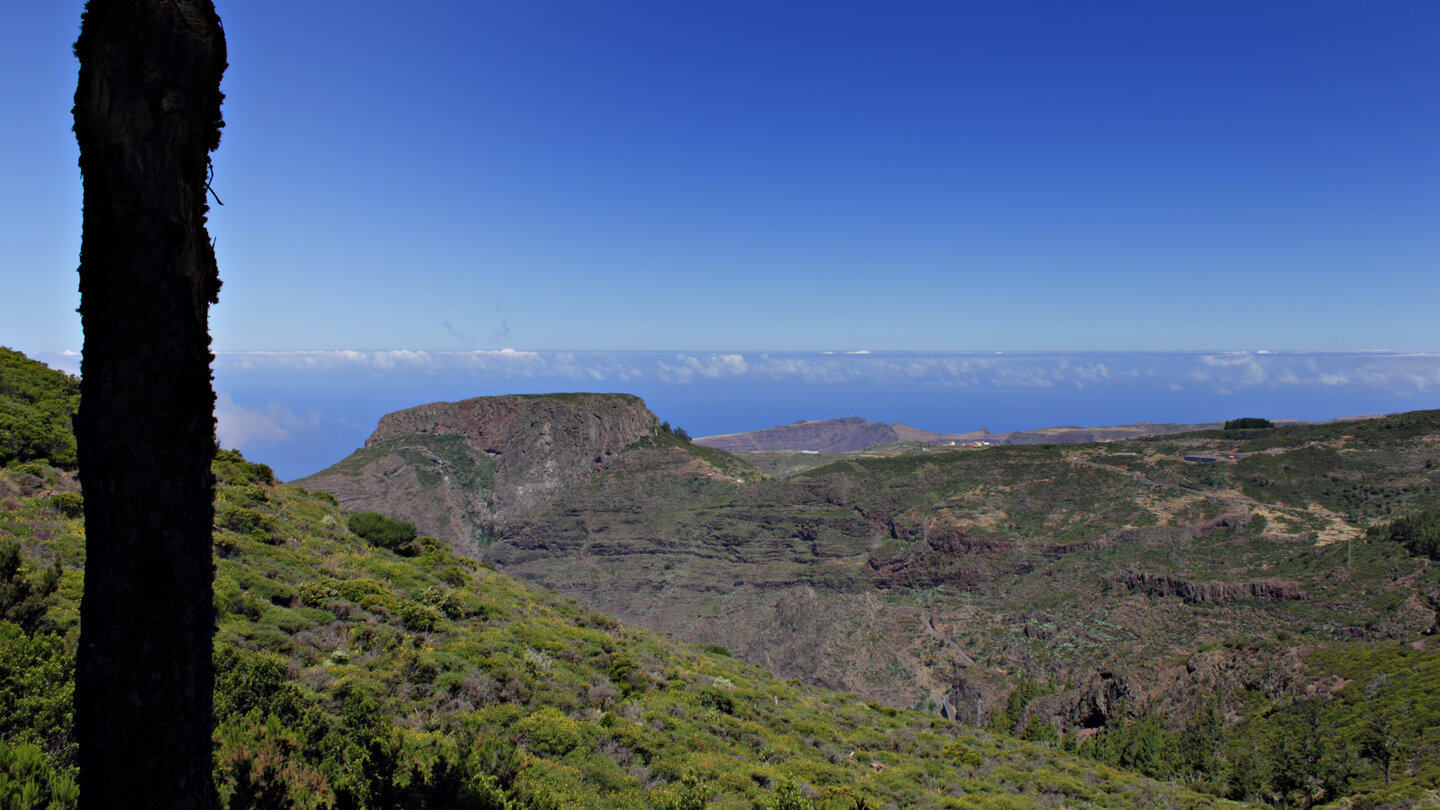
854	433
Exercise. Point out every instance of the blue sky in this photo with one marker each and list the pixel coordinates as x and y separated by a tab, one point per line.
804	176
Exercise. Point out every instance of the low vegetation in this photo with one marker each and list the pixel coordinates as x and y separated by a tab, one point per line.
352	676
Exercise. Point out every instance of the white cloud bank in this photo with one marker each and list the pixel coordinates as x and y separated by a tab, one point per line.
1223	373
237	425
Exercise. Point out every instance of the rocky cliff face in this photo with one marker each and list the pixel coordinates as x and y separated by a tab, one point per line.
460	469
541	442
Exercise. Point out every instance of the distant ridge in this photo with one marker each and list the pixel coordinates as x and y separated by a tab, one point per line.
817	435
853	433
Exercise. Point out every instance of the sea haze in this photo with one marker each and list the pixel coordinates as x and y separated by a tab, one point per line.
302	411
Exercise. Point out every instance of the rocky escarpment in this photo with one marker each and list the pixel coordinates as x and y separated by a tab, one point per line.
460	469
1209	593
948	555
542	442
1087	707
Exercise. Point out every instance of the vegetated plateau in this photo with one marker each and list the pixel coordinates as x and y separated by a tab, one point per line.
1016	621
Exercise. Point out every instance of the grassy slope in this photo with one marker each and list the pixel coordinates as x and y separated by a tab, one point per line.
350	676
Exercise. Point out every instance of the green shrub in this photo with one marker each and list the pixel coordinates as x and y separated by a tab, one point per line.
69	504
963	755
246	680
232	468
246	521
687	794
452	604
418	617
366	593
37	689
29	779
627	675
315	593
786	797
382	532
548	731
717	700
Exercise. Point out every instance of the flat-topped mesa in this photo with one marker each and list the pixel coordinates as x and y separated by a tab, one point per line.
543	441
460	470
490	424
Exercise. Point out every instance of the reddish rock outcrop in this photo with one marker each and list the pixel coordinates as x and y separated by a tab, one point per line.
543	442
537	444
947	556
1088	707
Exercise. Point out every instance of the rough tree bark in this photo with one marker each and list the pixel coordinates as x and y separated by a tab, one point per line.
147	115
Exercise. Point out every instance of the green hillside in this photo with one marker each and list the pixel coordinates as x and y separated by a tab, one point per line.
353	676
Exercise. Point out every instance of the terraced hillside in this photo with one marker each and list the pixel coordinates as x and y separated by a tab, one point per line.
1199	591
1118	580
362	666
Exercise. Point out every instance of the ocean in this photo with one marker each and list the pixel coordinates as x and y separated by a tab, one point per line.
301	411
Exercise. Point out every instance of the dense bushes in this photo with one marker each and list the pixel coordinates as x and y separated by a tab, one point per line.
36	692
29	779
23	598
232	468
382	532
36	404
1248	423
1418	533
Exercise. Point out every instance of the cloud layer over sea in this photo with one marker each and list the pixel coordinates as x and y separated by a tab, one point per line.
303	410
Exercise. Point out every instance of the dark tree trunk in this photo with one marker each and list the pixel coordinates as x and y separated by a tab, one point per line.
147	115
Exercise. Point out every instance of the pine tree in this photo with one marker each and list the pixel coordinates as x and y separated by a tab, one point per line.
147	116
